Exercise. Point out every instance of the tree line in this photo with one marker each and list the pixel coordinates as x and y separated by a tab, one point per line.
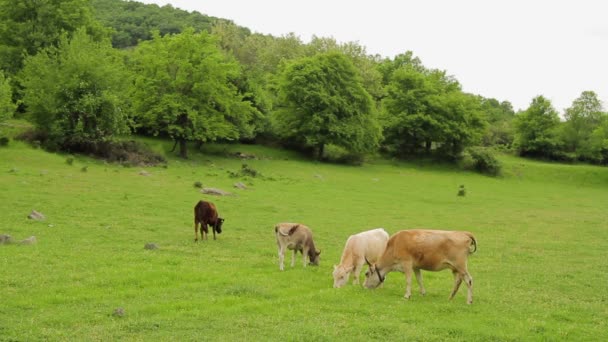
91	71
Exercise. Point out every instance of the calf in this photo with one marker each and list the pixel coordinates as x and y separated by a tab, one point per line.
298	238
410	251
206	214
360	247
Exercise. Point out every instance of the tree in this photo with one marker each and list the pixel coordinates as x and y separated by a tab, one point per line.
500	117
29	26
582	118
536	130
183	89
425	109
326	103
7	107
75	92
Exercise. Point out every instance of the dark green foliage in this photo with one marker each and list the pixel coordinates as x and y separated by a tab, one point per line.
4	141
325	103
134	21
75	93
245	171
69	160
183	89
426	113
536	130
198	184
30	26
7	106
482	160
462	191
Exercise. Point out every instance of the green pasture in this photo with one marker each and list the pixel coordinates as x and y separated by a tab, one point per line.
540	271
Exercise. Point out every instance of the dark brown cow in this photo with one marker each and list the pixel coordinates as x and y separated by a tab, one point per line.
206	214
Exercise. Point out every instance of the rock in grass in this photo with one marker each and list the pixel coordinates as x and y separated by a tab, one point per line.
151	245
35	215
215	191
118	312
5	239
240	185
29	241
144	173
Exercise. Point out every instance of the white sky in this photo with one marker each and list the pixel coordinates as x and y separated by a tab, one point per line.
511	50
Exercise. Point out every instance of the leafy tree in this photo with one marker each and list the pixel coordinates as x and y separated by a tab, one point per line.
326	103
74	92
183	89
29	26
500	117
426	109
7	107
536	130
598	142
582	118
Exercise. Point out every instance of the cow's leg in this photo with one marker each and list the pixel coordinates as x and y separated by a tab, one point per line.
408	281
419	279
214	232
293	257
204	229
356	272
196	231
469	281
457	282
304	255
281	257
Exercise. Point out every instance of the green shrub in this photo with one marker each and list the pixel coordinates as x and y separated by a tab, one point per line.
198	184
4	141
482	160
69	160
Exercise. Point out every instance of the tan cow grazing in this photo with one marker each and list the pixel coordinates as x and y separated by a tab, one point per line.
410	251
368	245
297	237
205	213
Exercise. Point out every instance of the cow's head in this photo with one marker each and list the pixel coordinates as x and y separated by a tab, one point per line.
313	256
218	225
341	275
373	278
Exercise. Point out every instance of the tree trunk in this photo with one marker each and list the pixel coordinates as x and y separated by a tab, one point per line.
174	145
321	150
183	152
427	146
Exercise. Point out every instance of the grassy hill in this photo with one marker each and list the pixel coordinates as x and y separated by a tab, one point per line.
540	270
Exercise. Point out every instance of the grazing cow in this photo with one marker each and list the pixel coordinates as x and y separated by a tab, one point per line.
410	251
206	214
367	245
297	237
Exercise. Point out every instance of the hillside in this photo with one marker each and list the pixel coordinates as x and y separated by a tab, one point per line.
541	229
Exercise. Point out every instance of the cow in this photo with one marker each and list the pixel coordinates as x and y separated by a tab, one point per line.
206	214
297	237
410	251
368	245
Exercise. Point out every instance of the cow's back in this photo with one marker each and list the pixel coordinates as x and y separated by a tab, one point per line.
427	247
287	233
369	244
205	211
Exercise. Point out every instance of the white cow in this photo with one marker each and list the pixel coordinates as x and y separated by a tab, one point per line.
366	245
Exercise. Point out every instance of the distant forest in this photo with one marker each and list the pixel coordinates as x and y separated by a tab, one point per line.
86	72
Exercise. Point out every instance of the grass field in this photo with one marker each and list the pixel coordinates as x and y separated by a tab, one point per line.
541	269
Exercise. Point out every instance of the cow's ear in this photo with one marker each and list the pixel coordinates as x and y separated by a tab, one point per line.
318	252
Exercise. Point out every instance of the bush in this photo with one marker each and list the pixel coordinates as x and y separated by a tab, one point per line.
339	155
198	184
4	141
482	160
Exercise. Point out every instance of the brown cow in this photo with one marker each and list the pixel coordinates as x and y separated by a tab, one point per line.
206	214
410	251
297	237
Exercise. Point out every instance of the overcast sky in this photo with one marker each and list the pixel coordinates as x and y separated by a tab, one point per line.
511	50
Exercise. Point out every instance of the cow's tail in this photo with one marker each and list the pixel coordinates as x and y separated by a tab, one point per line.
473	243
